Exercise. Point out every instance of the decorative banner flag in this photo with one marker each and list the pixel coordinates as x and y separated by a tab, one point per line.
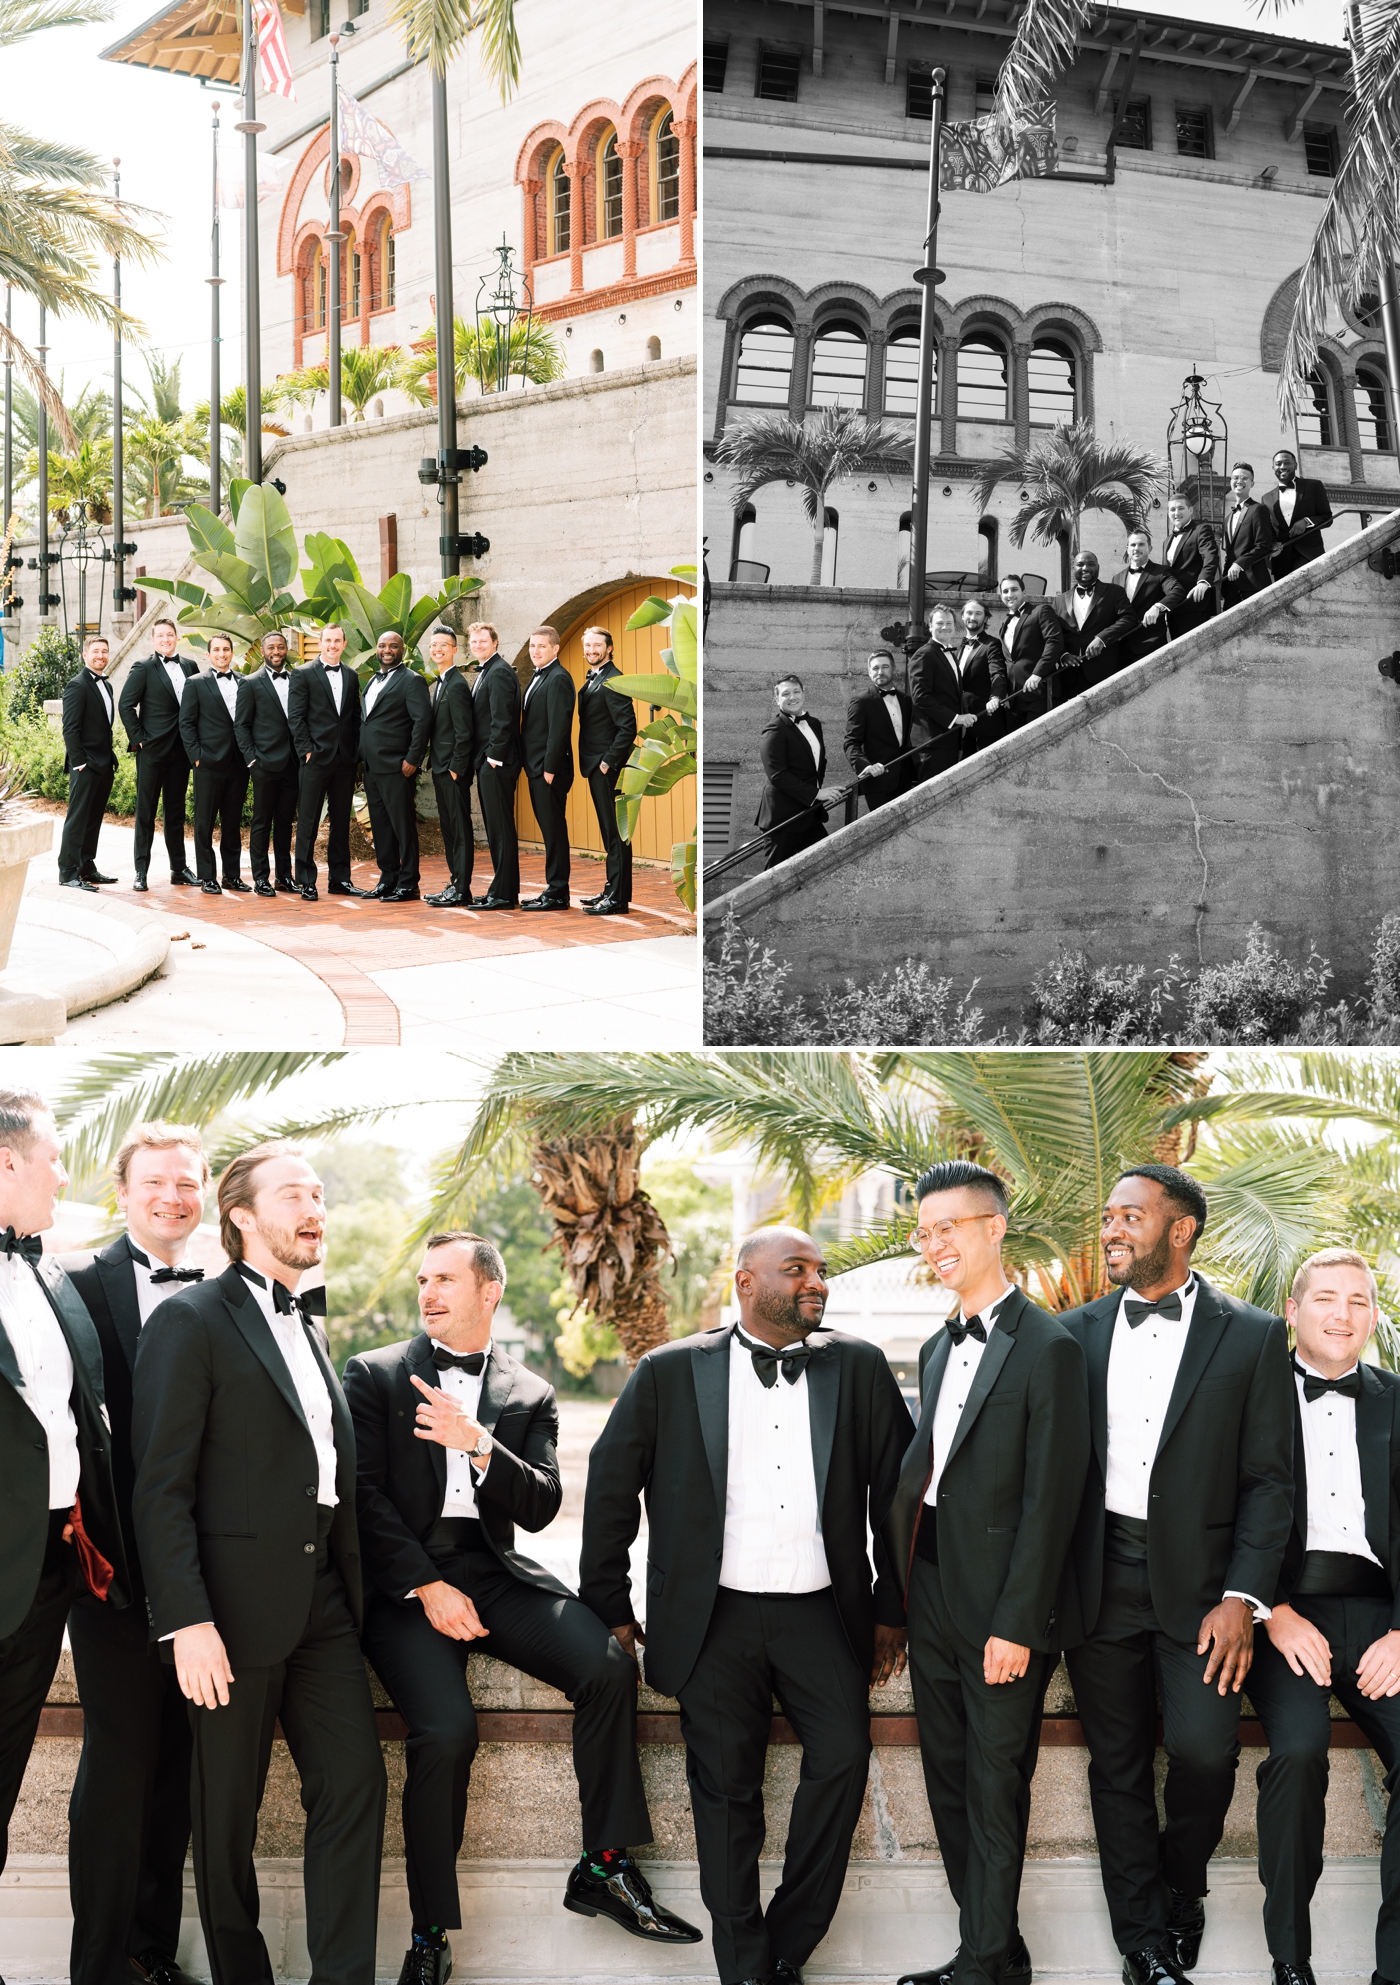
365	135
274	64
272	174
983	153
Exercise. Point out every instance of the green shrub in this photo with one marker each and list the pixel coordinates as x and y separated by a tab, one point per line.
1258	998
1074	1003
1385	971
747	1003
907	1008
49	663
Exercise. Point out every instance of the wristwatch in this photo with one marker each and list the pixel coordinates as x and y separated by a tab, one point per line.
482	1448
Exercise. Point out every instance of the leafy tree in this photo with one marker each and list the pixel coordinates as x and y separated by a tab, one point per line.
769	448
50	662
356	1169
233	412
82	477
365	370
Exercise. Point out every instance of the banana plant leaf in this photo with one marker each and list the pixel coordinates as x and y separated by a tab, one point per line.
669	692
331	559
237	490
650	613
683	572
661	757
368	615
208	532
265	536
180	589
684	640
683	871
247	585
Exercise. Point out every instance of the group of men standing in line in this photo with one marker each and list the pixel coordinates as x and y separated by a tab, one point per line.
968	687
306	736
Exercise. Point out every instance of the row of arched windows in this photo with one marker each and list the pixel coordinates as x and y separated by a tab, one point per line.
366	276
1322	423
659	189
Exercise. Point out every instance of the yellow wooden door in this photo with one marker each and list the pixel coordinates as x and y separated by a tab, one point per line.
663	821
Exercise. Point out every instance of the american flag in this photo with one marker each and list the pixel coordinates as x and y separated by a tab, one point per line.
274	65
364	134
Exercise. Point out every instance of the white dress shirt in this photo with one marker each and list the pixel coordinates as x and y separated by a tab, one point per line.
175	676
460	1499
105	691
228	687
811	737
336	678
282	686
1008	633
372	694
310	1383
958	1374
772	1526
1131	583
46	1366
149	1297
1083	606
1232	523
531	685
1173	541
1287	498
892	704
1332	1463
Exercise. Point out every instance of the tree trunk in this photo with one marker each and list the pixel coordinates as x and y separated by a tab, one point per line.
611	1237
819	544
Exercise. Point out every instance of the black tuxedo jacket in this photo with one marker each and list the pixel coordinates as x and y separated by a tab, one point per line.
87	729
793	780
1037	646
206	728
1197	558
1010	1492
1300	541
870	738
402	1480
607	723
328	736
935	687
1253	542
547	725
226	1479
1378	1448
496	694
1220	1501
452	738
1156	587
1109	618
263	732
395	731
24	1461
148	706
982	673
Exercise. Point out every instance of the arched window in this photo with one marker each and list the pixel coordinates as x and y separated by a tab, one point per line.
902	371
901	559
315	289
557	181
764	371
1372	414
741	545
1315	416
596	361
987	556
665	169
653	348
609	189
352	249
838	366
381	294
983	392
1052	378
831	532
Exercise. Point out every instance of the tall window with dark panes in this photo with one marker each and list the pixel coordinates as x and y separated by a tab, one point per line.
1315	417
668	170
716	62
986	95
777	75
610	191
1194	138
1320	150
918	91
1135	132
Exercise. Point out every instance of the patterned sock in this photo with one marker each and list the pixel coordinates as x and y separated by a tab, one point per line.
603	1862
432	1936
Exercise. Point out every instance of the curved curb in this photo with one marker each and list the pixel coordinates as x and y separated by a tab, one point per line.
136	960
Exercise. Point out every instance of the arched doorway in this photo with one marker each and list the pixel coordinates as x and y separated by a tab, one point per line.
663	821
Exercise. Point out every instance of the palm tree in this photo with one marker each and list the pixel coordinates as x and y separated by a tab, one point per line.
1067	472
83	477
233	412
156	492
438	28
477	356
364	371
769	448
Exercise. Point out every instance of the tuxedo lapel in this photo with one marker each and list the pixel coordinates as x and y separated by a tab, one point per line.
497	1384
77	1326
257	1334
116	1271
1000	1344
9	1364
1300	1472
1208	1320
823	1398
1373	1428
418	1363
710	1367
1098	1344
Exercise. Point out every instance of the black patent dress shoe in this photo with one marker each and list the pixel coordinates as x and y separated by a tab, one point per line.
1377	1977
410	894
238	885
347	889
589	901
784	1973
263	889
1299	1974
1152	1967
141	884
625	1897
494	903
426	1964
544	902
153	1968
308	895
445	899
607	908
76	882
288	882
183	875
211	889
1015	1970
97	877
1186	1923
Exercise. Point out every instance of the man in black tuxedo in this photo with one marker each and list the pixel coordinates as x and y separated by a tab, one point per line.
323	711
607	731
1180	1539
762	1453
61	1526
1152	594
547	752
244	1508
1033	641
220	773
1335	1624
879	722
398	715
1095	616
149	707
264	734
979	1533
1247	540
1299	513
452	755
129	1818
936	692
1192	558
792	751
982	676
91	765
496	695
456	1446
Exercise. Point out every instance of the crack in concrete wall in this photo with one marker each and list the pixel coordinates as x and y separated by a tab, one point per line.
1197	823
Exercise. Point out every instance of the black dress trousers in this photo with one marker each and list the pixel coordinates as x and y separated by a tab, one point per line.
321	1693
129	1816
162	780
602	790
557	1640
1116	1676
220	788
331	787
495	784
791	840
454	805
758	1646
979	1742
549	802
1293	1778
393	822
88	790
274	810
28	1661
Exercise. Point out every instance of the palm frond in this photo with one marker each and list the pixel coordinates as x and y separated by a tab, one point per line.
769	448
1273	1199
21	18
32	368
1042	48
436	30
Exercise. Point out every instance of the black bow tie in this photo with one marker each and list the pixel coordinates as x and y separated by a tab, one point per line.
31	1246
177	1275
331	668
313	1303
767	1364
277	674
471	1362
1085	592
1169	1307
960	1328
1313	1388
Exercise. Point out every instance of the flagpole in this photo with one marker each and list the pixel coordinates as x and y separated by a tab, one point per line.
118	465
252	304
216	283
448	478
928	278
334	237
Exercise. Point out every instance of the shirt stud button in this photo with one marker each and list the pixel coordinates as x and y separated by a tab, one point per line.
309	1549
